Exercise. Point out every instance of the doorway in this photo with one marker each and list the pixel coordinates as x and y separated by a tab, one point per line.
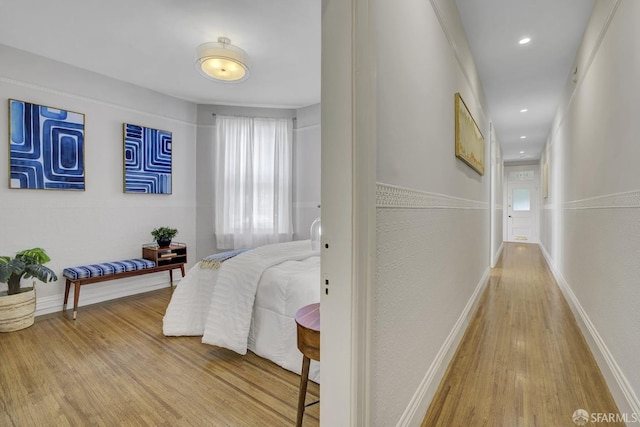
522	205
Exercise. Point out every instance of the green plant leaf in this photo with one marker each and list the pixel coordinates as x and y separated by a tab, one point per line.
5	272
27	263
161	233
14	266
40	272
34	256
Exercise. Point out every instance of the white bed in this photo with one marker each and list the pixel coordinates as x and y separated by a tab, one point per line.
250	302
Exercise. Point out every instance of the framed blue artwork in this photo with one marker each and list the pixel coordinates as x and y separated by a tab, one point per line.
147	160
46	147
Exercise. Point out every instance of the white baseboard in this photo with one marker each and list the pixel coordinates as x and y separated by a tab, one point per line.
415	411
99	292
497	255
623	394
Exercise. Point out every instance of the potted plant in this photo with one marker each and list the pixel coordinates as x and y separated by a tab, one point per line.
163	235
17	304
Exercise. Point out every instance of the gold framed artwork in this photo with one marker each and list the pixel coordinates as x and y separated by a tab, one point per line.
469	139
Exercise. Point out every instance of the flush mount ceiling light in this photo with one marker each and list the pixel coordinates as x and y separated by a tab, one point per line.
524	40
524	110
222	61
523	137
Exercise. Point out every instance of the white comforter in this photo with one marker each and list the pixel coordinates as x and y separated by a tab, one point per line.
219	303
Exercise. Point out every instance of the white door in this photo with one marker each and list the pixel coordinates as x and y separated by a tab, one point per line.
522	212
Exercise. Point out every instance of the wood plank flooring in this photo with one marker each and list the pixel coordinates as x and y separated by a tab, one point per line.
523	360
113	366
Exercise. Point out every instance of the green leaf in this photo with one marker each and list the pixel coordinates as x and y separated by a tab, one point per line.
27	263
40	272
34	256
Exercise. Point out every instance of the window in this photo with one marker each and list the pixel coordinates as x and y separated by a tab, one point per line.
521	199
253	181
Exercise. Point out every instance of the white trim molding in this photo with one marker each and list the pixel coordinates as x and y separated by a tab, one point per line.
99	293
629	199
497	254
41	88
391	196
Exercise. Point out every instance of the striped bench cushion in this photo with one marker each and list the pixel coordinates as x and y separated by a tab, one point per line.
106	268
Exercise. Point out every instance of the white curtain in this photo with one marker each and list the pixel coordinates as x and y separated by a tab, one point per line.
253	188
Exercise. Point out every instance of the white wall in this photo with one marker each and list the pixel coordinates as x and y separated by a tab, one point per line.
101	223
497	202
306	170
546	206
591	231
433	222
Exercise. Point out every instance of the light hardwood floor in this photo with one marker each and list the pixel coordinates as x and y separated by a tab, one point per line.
113	367
523	360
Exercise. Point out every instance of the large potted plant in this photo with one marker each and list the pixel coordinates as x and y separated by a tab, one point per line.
18	304
163	235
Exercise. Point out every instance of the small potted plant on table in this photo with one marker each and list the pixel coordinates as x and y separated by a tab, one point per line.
163	235
17	304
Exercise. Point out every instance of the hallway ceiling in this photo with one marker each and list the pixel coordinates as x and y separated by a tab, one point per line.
151	43
530	76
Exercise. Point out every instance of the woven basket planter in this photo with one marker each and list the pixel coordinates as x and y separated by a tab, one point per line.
17	311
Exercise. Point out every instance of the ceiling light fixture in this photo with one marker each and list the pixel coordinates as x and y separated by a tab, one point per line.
524	110
222	61
523	137
524	40
522	152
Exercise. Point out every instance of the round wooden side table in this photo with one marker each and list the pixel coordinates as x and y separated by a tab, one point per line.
308	324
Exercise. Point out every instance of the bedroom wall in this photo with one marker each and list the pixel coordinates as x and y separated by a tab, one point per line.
101	223
433	218
306	170
306	167
591	232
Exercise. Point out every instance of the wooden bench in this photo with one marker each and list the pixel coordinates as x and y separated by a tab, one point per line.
94	273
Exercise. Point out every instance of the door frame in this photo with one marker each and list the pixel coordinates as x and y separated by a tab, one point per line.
348	192
535	197
533	211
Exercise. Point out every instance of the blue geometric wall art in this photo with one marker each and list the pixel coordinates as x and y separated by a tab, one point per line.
147	160
46	147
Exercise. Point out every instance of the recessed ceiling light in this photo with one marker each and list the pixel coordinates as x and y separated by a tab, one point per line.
522	152
524	110
523	137
524	40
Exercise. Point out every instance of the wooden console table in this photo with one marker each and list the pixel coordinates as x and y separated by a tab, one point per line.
308	325
174	254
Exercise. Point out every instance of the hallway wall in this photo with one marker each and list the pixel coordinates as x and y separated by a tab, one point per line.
590	223
497	195
433	222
